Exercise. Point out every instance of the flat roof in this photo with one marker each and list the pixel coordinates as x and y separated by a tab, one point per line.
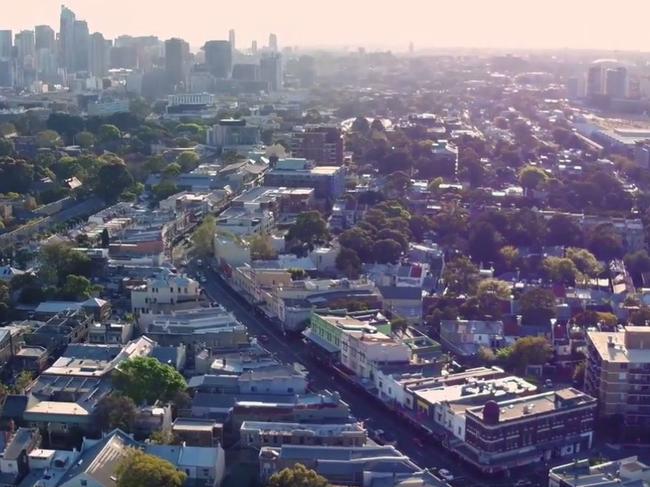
618	352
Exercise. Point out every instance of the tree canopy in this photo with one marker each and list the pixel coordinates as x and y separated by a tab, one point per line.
145	379
297	476
203	236
138	469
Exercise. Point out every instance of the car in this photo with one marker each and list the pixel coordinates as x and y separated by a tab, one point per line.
445	474
263	338
387	438
199	262
548	383
418	442
202	279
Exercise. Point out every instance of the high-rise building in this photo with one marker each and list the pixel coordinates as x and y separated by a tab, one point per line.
218	58
98	55
254	47
616	82
618	374
177	53
231	39
322	144
66	39
246	72
25	49
44	37
81	45
595	80
6	44
273	42
271	71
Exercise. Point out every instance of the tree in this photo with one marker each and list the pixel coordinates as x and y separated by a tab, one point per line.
563	230
360	125
461	276
203	236
140	107
358	240
164	190
579	372
420	226
641	317
15	175
116	411
77	288
484	243
348	262
509	258
188	161
560	270
530	351
584	261
297	476
59	260
537	307
637	263
108	133
531	177
138	469
106	238
145	379
391	234
605	243
172	170
261	247
387	251
48	139
6	147
309	228
23	381
65	124
161	437
112	179
85	139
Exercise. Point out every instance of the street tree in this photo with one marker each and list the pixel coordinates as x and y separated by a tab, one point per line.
261	247
386	251
203	236
560	270
532	177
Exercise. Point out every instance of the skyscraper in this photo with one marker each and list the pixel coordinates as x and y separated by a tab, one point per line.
81	45
25	50
98	55
44	37
177	53
271	71
254	47
616	82
231	39
6	44
218	58
273	42
66	39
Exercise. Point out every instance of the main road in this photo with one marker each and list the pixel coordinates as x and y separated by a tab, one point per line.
290	349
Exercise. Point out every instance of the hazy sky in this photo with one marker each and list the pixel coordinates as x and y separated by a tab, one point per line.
388	23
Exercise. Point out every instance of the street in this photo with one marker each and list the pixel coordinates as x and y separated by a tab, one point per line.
291	350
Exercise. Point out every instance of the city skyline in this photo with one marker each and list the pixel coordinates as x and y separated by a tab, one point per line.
503	24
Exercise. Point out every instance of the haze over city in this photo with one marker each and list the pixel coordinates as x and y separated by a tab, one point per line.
313	244
579	24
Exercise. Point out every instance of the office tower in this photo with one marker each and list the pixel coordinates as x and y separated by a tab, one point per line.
177	53
123	57
81	45
246	72
6	72
6	44
98	55
271	71
25	48
218	58
273	42
254	48
44	37
66	39
616	82
231	39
